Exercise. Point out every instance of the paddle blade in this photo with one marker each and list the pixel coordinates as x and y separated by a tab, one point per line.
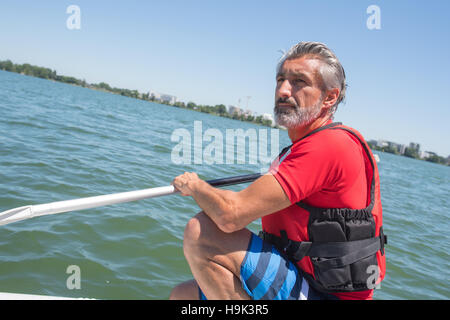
16	214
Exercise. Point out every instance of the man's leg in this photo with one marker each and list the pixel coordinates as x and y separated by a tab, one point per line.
215	259
185	291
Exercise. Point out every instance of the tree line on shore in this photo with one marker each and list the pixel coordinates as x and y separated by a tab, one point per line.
410	152
49	74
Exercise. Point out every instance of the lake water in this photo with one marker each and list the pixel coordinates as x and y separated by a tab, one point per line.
60	142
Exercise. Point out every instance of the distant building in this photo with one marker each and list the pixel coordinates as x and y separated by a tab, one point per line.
162	97
233	109
154	95
427	154
168	98
400	148
392	145
424	154
382	143
414	146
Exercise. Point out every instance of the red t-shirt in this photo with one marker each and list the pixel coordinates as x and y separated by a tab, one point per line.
325	170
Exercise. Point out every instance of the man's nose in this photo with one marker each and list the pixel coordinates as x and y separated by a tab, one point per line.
284	89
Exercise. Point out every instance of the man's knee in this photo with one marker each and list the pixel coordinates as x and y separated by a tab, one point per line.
185	291
193	229
197	230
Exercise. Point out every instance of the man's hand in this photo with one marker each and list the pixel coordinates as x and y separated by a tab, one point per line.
186	183
230	210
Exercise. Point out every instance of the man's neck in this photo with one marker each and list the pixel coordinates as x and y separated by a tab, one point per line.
299	132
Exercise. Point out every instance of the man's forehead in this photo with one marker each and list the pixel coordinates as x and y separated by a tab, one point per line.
300	66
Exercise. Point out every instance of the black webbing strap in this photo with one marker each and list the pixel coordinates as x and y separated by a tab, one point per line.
362	249
329	254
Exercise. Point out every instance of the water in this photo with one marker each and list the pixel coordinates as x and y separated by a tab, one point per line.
60	142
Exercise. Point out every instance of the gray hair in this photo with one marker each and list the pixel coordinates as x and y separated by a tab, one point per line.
331	71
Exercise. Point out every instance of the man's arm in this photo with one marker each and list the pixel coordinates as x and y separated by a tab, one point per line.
232	211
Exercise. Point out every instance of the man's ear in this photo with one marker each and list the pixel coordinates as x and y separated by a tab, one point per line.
331	97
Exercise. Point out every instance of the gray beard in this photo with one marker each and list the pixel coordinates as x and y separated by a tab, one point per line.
296	116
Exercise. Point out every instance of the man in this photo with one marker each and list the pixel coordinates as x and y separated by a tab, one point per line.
320	204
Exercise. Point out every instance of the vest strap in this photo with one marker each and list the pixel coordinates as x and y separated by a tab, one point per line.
326	254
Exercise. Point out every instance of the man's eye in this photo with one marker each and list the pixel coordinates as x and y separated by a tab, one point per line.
299	81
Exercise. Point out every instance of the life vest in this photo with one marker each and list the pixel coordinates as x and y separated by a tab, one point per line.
336	249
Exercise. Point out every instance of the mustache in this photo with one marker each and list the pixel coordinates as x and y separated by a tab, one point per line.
289	100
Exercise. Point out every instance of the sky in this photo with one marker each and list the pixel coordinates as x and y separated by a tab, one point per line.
222	52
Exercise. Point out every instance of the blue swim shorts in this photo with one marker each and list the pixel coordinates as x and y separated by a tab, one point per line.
267	274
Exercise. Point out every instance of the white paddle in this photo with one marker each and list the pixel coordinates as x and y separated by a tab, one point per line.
30	211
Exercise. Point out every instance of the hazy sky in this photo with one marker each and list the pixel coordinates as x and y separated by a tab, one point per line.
213	52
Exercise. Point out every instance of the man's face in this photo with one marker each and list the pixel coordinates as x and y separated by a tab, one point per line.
298	95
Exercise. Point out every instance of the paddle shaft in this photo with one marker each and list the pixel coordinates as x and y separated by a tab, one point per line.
27	212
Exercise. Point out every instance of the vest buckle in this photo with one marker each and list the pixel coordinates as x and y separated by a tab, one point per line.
298	249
